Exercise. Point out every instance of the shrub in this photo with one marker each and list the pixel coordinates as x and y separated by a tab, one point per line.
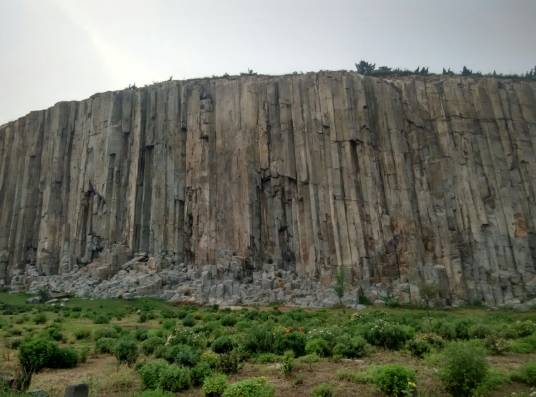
214	385
354	347
141	334
229	363
35	354
175	379
168	324
40	318
418	347
340	283
496	345
53	332
294	341
323	390
126	351
318	346
63	358
395	380
524	345
38	353
188	321
82	334
479	331
223	344
523	328
253	387
150	373
260	339
200	372
310	359
82	354
210	358
461	329
287	363
105	345
149	345
526	374
387	334
228	320
182	355
106	333
101	319
464	368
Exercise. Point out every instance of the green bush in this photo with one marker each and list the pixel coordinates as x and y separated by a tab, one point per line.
318	346
38	353
105	345
53	332
479	331
350	347
253	387
388	334
64	358
141	334
182	355
82	334
126	351
150	373
418	347
287	363
149	345
520	329
101	319
526	374
223	344
260	339
464	368
395	380
294	341
496	345
200	372
175	379
228	320
229	363
323	390
188	321
40	318
210	358
106	333
214	385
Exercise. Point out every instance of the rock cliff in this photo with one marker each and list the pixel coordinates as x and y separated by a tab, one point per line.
257	188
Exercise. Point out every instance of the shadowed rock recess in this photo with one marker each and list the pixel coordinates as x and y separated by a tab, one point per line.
256	189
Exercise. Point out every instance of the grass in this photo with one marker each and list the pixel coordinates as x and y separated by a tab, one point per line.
276	330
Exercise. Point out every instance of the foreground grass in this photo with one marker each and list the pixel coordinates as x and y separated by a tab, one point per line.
259	338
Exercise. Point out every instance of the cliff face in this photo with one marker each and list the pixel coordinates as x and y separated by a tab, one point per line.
426	184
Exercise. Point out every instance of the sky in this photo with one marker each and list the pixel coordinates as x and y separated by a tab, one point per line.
53	50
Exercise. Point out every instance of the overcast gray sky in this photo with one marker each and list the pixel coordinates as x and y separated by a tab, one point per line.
52	50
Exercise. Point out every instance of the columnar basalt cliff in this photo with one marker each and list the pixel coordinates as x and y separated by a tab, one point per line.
257	188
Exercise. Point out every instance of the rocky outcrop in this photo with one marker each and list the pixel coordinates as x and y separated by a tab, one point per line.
235	188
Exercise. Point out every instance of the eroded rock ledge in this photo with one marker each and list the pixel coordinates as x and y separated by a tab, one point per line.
258	188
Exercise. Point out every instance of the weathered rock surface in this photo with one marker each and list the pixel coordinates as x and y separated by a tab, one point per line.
258	188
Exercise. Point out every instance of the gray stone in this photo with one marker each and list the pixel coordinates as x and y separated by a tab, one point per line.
79	390
38	393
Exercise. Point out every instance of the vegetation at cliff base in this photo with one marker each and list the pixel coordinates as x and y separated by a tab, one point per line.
151	348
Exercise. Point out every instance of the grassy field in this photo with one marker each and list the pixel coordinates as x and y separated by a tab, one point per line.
151	348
